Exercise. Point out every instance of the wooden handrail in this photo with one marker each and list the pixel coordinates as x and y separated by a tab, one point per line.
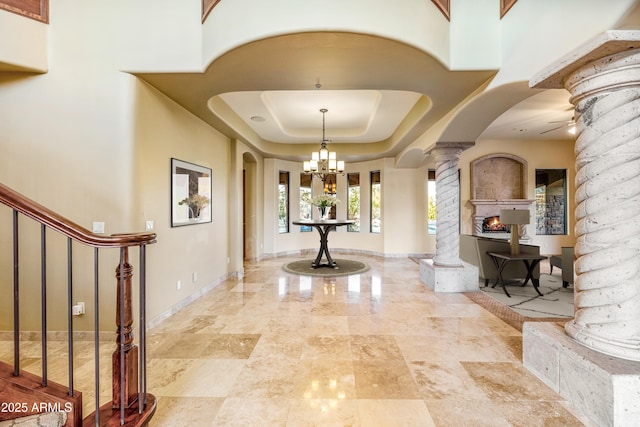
68	228
131	405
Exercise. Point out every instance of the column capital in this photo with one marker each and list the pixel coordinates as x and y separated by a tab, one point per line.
448	150
601	46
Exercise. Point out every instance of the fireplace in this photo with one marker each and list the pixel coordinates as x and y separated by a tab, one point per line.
498	181
492	224
486	210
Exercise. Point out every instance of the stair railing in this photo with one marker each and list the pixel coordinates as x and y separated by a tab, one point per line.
131	405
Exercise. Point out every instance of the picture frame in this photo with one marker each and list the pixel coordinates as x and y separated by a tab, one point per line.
190	193
34	9
444	6
207	7
505	5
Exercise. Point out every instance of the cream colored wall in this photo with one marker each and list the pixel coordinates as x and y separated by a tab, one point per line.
415	22
23	42
277	243
539	155
94	144
157	35
252	201
567	24
475	35
404	227
66	143
163	130
405	204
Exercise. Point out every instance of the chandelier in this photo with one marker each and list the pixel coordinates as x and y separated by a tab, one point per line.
323	162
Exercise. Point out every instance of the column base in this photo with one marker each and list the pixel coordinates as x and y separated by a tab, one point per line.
603	388
439	278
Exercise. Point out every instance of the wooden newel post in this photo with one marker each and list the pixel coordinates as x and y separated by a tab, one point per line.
125	357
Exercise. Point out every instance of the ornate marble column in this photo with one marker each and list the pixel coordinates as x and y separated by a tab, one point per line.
603	78
446	272
447	204
605	89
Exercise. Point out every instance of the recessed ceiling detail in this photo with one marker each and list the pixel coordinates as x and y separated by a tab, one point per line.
292	116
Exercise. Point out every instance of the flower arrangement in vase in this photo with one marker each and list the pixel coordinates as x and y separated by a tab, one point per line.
323	202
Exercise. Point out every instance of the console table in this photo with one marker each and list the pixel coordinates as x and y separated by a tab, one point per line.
324	227
501	259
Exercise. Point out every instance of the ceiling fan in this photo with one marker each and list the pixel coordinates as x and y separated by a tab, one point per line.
571	124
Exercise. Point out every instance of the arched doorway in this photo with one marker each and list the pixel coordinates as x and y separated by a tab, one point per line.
249	207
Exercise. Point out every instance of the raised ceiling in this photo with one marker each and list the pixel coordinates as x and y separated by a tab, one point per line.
294	117
381	95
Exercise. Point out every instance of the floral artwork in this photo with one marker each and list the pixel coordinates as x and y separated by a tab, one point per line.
196	204
191	200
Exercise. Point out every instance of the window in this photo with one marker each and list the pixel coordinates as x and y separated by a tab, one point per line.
353	200
551	201
376	220
305	194
431	201
283	202
330	188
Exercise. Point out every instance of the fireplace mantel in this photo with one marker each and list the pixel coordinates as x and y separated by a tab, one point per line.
506	204
484	208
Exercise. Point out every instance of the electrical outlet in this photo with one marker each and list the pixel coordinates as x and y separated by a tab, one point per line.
195	276
149	225
178	285
78	309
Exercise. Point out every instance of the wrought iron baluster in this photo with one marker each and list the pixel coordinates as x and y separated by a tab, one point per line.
43	284
69	311
96	327
16	297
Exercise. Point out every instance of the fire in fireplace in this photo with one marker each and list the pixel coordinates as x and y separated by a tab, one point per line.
492	224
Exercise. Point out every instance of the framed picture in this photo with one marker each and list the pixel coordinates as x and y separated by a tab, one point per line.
444	7
34	9
207	6
190	193
505	5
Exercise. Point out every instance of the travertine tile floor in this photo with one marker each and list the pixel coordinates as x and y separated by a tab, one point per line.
375	349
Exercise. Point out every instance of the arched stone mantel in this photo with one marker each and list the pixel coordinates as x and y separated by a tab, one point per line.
498	169
498	181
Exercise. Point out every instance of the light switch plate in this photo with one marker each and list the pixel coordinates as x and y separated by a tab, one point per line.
98	227
149	225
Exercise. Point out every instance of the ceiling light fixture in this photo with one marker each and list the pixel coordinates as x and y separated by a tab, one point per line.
323	162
